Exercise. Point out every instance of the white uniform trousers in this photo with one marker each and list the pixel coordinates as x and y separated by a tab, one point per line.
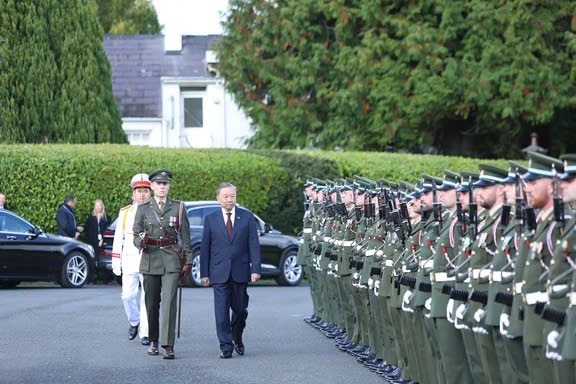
135	312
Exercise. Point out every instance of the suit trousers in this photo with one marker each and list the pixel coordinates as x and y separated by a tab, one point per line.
161	305
135	309
230	296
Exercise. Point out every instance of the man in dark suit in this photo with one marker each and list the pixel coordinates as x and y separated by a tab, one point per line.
229	260
66	218
161	231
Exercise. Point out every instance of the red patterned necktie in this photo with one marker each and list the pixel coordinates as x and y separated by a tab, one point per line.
229	224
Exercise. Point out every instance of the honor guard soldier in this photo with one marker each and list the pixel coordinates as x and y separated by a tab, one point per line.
500	291
126	260
450	342
559	329
490	196
539	189
161	231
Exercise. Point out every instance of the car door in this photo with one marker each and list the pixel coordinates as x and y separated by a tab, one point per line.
20	254
270	253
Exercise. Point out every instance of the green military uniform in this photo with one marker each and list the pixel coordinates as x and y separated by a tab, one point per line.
160	233
482	252
562	267
450	343
500	294
459	294
537	266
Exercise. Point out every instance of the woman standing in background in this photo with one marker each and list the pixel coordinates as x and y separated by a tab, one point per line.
94	227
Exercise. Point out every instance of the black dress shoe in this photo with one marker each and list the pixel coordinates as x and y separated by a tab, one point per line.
226	355
133	331
153	350
145	341
239	348
168	353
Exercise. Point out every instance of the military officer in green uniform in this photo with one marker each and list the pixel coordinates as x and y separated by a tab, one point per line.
450	342
539	178
161	231
490	196
500	295
562	268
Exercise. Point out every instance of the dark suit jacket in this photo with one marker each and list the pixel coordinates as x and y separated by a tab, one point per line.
222	258
66	221
92	228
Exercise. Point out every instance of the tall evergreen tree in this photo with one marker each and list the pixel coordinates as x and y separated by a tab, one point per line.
28	73
55	76
448	76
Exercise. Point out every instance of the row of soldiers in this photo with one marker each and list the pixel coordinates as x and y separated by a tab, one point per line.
467	278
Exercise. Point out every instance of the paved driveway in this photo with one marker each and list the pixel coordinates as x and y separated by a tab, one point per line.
53	335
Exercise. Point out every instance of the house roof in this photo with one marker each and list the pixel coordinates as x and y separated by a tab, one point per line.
138	62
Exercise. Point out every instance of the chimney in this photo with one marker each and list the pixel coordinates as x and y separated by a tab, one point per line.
172	40
534	147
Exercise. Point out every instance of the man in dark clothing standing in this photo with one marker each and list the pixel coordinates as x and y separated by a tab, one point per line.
66	218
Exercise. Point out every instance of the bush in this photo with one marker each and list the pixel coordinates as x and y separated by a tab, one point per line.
36	178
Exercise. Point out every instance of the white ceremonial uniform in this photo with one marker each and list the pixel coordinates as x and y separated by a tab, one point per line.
126	261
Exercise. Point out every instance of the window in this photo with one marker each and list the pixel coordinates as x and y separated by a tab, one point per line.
193	112
12	224
195	217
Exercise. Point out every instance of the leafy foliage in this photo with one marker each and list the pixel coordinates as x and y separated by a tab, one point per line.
36	178
124	17
55	79
425	75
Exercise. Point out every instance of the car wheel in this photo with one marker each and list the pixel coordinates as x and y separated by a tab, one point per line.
290	273
75	271
7	284
193	279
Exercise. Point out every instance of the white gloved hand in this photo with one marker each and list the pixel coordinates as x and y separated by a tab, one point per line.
408	295
504	323
458	321
450	310
116	266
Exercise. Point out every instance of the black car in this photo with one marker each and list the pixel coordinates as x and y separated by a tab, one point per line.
29	254
278	251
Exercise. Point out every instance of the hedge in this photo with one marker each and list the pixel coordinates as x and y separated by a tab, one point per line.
36	178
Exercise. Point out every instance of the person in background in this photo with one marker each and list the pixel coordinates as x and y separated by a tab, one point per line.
3	201
66	218
126	260
95	225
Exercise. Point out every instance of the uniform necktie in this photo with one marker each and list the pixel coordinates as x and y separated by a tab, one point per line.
229	224
161	205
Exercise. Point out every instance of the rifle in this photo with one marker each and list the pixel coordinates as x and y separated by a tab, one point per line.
528	213
518	214
558	203
460	212
396	219
505	217
436	206
405	216
472	211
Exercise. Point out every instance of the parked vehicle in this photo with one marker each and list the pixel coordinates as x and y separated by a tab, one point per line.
278	251
29	254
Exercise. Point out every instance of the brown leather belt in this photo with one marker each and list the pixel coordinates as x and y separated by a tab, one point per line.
159	243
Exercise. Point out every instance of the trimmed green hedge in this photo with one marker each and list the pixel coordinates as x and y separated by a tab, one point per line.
36	178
